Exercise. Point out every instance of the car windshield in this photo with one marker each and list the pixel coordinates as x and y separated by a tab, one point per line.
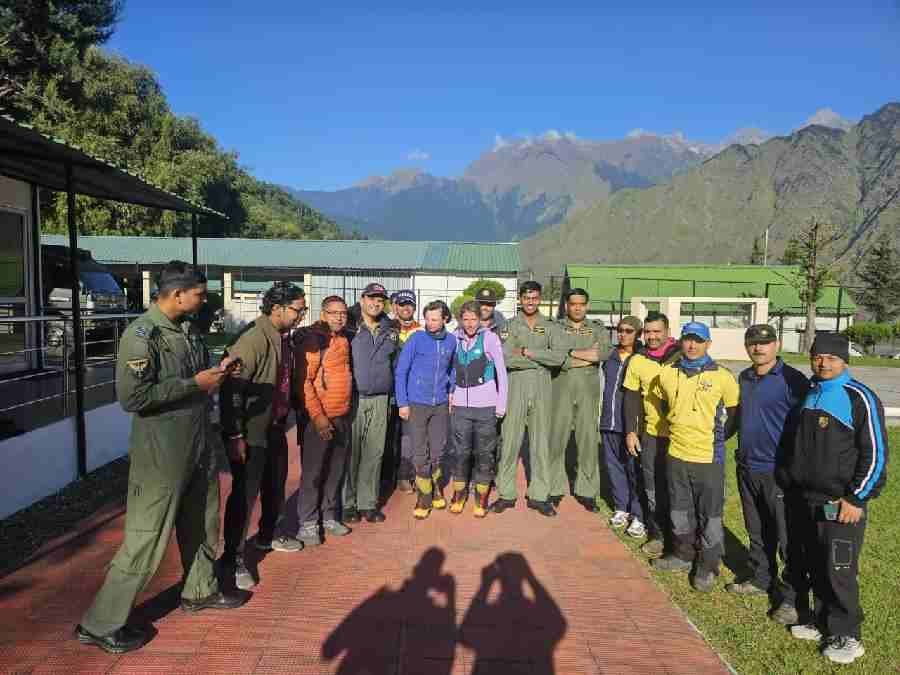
99	282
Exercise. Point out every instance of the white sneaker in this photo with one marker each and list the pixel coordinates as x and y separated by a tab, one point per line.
843	649
618	520
807	631
636	529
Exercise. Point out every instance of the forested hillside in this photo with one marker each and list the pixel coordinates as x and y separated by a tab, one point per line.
55	76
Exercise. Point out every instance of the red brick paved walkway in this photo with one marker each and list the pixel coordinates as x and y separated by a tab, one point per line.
515	593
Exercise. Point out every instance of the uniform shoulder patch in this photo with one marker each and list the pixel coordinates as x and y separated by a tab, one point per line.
138	366
142	331
503	334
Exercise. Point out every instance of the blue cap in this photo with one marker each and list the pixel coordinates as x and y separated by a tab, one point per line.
701	330
403	298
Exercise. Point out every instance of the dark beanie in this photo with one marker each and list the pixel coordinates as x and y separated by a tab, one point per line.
831	343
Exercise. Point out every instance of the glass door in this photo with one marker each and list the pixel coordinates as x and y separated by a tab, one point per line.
15	282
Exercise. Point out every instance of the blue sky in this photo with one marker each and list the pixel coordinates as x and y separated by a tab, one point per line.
319	97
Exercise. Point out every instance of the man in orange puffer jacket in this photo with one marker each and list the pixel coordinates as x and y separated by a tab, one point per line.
323	364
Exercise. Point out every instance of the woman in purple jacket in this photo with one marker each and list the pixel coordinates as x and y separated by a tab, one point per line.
478	399
422	387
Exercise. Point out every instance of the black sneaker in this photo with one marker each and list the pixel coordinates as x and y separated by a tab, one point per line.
555	500
218	600
544	508
125	639
500	505
373	516
351	515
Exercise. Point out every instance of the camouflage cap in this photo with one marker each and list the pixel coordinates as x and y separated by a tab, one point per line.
486	295
760	334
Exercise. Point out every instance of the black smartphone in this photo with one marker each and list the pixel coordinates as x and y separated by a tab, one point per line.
234	365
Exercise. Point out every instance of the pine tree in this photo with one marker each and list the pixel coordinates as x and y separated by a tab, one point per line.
757	256
880	276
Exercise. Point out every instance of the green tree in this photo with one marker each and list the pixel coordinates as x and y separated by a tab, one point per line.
757	255
498	288
812	248
880	277
869	333
791	254
54	76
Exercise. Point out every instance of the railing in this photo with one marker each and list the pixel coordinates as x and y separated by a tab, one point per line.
43	371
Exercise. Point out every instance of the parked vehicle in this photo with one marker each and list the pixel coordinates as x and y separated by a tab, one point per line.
100	294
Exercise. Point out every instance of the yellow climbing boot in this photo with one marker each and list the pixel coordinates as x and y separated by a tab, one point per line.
483	492
423	499
458	501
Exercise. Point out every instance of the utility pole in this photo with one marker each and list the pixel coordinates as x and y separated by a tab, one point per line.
766	248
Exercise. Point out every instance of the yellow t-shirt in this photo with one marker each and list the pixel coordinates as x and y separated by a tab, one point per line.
643	375
696	414
408	330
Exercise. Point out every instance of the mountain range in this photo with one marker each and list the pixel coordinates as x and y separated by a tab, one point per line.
522	185
847	175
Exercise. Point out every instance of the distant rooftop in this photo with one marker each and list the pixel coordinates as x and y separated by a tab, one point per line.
307	254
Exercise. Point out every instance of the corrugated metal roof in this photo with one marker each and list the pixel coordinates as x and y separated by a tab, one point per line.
605	283
28	155
366	254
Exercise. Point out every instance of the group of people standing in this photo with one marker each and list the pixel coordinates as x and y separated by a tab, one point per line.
652	411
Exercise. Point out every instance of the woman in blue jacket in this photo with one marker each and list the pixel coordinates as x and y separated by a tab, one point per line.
422	382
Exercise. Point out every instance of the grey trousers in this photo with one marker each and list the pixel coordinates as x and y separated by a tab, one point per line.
368	436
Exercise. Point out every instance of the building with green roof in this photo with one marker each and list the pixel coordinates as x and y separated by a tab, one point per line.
241	269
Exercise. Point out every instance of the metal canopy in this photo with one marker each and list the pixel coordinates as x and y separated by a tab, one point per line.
30	156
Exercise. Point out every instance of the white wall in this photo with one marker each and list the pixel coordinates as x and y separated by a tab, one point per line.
43	461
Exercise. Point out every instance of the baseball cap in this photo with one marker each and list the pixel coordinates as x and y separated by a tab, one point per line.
486	295
403	298
701	330
375	289
760	334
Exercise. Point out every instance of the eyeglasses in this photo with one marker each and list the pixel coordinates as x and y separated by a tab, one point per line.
627	331
336	313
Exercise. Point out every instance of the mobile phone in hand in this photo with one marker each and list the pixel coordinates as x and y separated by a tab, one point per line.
235	365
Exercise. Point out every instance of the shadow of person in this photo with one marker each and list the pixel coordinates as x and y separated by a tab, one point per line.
419	619
736	556
516	627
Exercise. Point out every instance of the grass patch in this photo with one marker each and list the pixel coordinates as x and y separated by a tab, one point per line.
738	627
868	361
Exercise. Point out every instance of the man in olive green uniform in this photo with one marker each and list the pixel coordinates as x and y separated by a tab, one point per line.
576	401
530	348
162	377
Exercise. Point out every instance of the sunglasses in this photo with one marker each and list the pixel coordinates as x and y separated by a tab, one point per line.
627	331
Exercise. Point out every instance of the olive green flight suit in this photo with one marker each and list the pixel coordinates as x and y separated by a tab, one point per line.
528	403
171	482
576	402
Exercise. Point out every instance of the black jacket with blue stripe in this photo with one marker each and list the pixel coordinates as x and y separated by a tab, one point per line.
841	448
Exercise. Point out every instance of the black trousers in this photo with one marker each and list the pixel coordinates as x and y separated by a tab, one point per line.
654	457
322	466
762	501
262	475
428	431
697	497
474	440
827	562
